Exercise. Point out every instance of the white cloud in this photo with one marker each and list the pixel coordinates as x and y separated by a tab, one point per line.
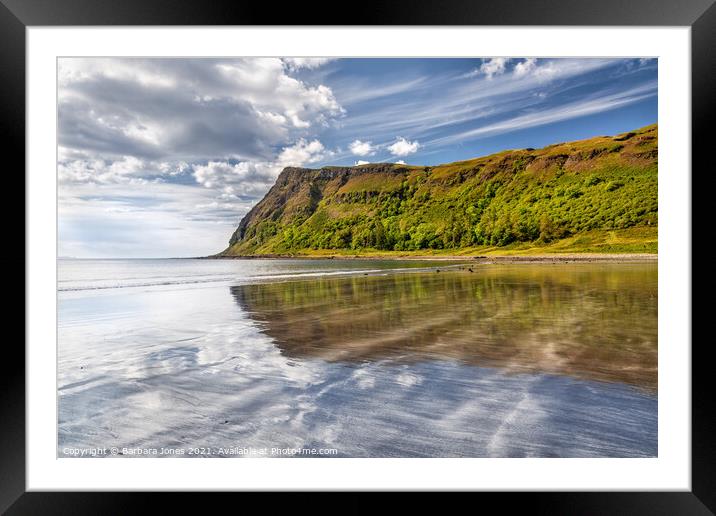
361	162
173	169
76	70
494	66
301	153
140	125
545	71
525	67
361	148
230	180
296	121
128	169
220	173
267	87
234	180
124	170
403	147
273	118
400	162
188	109
296	63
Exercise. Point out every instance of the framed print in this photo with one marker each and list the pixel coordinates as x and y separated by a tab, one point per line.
440	249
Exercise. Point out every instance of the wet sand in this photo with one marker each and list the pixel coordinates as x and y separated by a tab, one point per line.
510	360
588	324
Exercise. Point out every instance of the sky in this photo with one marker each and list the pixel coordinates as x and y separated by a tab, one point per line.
163	157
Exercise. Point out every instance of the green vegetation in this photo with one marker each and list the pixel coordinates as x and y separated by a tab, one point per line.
596	195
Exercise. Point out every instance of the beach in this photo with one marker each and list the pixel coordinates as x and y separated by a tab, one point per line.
552	356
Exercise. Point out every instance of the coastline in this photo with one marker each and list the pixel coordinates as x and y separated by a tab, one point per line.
482	259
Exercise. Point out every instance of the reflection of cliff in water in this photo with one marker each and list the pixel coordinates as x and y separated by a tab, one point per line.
595	322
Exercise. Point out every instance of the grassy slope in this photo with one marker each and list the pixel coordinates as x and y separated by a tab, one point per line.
591	196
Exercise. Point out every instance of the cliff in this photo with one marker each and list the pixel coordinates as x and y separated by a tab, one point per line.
600	188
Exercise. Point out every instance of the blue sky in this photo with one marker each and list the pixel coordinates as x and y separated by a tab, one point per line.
162	157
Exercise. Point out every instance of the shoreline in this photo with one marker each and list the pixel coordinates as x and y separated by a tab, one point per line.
482	259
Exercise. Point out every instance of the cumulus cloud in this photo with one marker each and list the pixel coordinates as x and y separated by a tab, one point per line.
400	162
189	109
494	66
73	168
296	63
221	173
361	148
361	162
403	147
226	127
247	179
301	153
541	71
97	170
525	67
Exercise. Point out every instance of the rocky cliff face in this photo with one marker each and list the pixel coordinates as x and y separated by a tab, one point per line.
527	195
298	191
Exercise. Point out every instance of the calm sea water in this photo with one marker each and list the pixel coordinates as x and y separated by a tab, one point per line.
356	358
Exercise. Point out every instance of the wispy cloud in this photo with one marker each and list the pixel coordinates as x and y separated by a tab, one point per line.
365	89
556	114
465	99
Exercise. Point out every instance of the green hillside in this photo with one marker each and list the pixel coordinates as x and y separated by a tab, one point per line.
595	195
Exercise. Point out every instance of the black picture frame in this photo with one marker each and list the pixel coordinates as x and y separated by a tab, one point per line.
17	15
